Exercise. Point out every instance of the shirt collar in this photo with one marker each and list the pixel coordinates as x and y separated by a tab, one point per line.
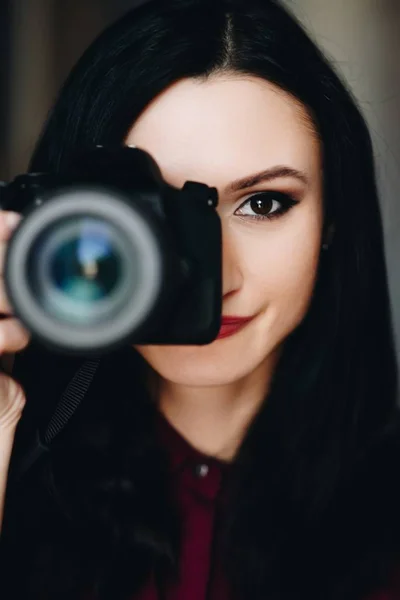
202	473
179	450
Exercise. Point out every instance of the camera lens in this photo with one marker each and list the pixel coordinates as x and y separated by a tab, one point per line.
78	270
88	270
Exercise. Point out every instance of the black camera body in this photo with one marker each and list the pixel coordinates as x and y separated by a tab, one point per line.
108	254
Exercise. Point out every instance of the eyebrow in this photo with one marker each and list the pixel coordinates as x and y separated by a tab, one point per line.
271	173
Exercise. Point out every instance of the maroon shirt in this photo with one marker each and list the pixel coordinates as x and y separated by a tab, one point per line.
197	482
197	485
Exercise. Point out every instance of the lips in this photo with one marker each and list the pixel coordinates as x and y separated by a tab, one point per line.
234	320
230	325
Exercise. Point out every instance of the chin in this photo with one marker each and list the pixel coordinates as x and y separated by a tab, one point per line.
198	366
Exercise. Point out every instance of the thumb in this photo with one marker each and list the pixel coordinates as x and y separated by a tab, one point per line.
12	402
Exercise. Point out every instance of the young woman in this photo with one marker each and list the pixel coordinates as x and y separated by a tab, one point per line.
262	465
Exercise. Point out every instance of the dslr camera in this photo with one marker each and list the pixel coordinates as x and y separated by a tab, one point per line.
107	254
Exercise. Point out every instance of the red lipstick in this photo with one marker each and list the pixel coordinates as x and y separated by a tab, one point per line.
230	325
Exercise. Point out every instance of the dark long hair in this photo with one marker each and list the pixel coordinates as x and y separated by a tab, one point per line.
334	392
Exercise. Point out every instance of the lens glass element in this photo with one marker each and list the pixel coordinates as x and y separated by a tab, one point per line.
82	270
86	268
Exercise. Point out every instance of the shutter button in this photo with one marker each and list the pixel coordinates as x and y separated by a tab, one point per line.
202	470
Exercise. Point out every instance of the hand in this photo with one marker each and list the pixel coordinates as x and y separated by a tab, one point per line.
13	338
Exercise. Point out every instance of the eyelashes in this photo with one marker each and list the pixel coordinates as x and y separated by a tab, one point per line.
266	206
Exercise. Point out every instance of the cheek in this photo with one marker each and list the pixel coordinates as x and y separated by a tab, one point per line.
281	268
290	284
276	266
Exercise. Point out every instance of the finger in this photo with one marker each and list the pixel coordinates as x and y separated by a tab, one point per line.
5	306
12	403
13	336
3	248
8	222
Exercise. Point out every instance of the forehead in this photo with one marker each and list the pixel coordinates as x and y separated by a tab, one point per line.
208	128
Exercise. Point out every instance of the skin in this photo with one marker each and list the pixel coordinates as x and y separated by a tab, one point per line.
216	131
13	338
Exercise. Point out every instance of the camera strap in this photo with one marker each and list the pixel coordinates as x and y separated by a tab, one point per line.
70	399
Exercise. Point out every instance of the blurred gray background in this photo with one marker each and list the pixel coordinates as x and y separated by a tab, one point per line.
41	39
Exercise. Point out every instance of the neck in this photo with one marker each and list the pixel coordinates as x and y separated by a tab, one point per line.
214	419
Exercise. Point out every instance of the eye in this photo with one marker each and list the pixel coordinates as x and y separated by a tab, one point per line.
266	205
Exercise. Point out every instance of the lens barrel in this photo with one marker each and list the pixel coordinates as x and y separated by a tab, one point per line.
87	269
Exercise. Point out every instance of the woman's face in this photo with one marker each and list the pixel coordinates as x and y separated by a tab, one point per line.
218	132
